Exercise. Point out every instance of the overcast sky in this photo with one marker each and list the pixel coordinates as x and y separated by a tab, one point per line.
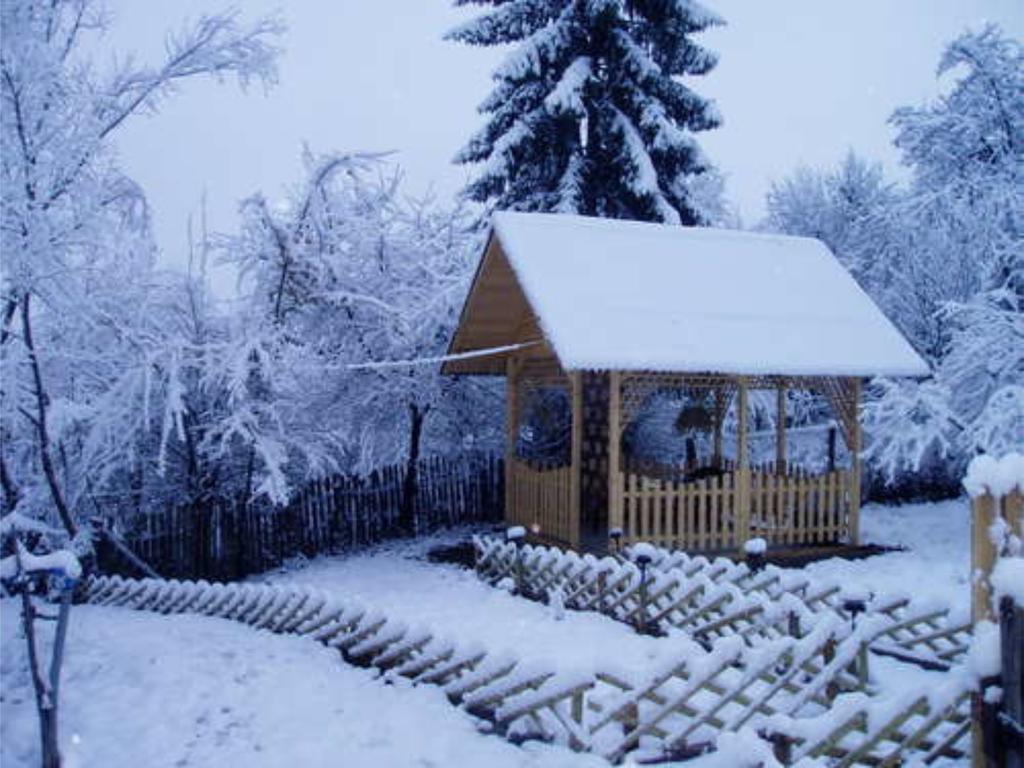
799	82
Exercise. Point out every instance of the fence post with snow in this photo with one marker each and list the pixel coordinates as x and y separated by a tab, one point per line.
997	577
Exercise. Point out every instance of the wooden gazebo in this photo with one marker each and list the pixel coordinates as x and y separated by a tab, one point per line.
592	320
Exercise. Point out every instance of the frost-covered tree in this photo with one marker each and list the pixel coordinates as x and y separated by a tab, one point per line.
944	257
77	254
353	291
589	113
832	206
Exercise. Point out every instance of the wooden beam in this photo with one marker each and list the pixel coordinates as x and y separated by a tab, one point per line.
780	430
742	512
575	507
984	510
511	433
615	516
855	466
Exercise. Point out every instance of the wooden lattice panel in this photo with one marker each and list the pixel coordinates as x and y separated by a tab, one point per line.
594	454
541	386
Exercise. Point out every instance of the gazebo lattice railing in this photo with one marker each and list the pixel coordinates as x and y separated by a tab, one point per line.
784	504
716	508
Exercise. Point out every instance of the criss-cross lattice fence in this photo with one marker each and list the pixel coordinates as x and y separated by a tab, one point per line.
782	688
711	599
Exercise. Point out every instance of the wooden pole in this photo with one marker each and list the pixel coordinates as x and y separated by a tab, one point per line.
780	430
615	516
742	512
716	460
575	507
855	467
511	434
984	510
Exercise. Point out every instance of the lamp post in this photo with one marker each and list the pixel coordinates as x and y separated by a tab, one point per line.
855	604
643	559
615	534
515	536
755	551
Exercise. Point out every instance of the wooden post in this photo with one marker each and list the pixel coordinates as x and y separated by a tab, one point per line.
576	468
855	449
615	516
1011	631
984	510
511	434
742	511
716	459
780	430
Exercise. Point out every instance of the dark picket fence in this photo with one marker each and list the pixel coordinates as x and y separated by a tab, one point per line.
228	540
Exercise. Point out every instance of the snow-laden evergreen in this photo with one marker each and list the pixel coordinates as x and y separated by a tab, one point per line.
590	113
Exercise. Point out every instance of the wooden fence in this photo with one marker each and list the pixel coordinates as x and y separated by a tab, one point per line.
788	508
790	690
226	540
540	498
997	519
714	599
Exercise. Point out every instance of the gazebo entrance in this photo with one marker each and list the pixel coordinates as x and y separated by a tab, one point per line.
571	479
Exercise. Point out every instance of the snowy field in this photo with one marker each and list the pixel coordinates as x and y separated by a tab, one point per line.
142	689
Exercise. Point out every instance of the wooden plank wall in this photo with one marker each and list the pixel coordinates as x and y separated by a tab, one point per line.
225	540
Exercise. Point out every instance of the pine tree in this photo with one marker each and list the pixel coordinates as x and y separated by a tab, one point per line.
589	115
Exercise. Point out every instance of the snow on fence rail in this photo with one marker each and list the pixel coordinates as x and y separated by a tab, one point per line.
712	599
225	540
788	690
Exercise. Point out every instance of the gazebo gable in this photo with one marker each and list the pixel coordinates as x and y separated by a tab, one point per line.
497	314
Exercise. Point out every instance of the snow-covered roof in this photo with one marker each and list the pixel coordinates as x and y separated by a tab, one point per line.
611	294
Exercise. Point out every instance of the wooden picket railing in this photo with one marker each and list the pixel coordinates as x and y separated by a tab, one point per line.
703	515
800	508
540	498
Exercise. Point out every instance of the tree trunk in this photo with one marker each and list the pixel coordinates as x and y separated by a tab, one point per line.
42	430
46	701
12	495
407	516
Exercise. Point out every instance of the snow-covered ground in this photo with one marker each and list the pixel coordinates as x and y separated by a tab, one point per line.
936	565
142	689
145	689
398	580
